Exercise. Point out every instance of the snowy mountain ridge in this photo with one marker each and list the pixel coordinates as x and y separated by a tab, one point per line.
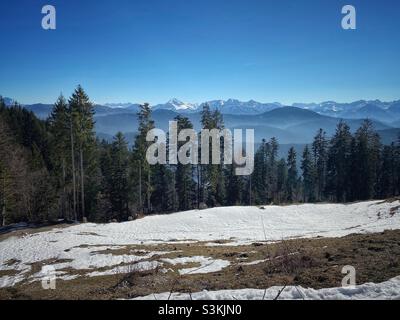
375	109
388	112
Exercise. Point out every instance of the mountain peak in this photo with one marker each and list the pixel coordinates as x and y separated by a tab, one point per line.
175	101
175	104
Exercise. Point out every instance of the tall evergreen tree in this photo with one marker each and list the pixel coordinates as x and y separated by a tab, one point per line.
307	168
366	155
61	145
185	185
82	113
387	172
272	168
319	148
143	172
292	176
282	175
212	175
119	188
339	164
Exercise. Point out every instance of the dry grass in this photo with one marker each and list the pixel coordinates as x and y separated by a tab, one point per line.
315	263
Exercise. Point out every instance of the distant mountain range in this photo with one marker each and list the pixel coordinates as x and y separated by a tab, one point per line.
383	111
230	106
374	109
291	125
288	124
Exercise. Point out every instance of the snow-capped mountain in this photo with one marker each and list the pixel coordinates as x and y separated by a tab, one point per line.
388	112
177	105
230	106
118	105
374	109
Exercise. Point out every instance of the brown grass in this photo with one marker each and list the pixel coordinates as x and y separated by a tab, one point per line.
315	263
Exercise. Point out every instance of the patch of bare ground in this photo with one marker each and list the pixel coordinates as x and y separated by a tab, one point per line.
315	263
31	231
391	200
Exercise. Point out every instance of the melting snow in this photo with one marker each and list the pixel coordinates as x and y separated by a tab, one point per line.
207	265
78	246
370	291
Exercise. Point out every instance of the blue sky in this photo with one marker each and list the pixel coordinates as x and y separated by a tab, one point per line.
197	50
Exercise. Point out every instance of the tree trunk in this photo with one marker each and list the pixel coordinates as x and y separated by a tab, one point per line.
73	173
140	187
82	185
198	186
148	192
250	195
63	206
3	211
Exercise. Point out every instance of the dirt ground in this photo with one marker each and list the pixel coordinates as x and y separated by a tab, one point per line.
315	263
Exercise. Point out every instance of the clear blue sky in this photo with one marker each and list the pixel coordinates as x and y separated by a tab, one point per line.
197	50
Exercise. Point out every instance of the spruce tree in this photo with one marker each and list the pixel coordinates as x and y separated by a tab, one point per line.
292	176
367	158
142	171
185	185
60	130
82	113
308	172
212	175
119	195
387	172
319	148
282	175
339	164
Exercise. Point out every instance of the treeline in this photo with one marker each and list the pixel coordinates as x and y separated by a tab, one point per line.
57	169
344	168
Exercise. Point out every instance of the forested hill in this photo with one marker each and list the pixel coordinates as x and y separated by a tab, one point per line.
58	169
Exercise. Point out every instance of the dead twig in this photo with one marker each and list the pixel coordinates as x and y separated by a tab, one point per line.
280	292
178	278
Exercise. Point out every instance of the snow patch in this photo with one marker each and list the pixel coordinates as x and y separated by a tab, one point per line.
389	290
207	265
138	267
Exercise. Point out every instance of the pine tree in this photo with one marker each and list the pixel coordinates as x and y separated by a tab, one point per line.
5	178
82	113
338	164
185	185
367	158
282	175
292	177
143	170
234	187
259	176
307	168
60	130
397	167
119	188
272	166
212	176
164	196
387	172
319	148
